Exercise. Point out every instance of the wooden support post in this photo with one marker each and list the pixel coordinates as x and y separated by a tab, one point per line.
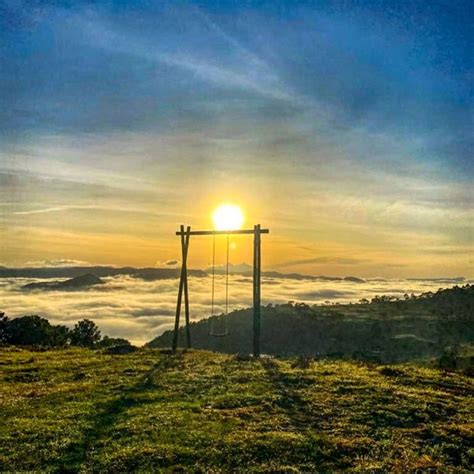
186	297
182	284
256	291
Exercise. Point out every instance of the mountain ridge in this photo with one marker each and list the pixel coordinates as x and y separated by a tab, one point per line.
83	281
155	273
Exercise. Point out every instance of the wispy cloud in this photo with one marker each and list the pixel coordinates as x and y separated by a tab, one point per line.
168	264
329	259
61	262
53	209
66	208
242	69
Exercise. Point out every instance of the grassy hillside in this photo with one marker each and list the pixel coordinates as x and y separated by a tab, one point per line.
383	330
71	410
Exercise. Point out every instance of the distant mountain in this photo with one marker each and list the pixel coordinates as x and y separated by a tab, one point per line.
152	273
77	283
99	271
63	272
299	276
440	280
354	279
234	269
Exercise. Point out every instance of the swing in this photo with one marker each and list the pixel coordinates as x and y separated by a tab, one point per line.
226	332
257	231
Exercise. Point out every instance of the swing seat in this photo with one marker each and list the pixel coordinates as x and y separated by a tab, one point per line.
222	334
212	333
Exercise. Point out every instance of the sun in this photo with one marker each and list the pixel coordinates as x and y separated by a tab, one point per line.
228	217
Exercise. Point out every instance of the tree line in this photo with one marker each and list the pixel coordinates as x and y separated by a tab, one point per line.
37	331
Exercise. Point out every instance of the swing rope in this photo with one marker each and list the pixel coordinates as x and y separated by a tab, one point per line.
211	328
227	280
213	271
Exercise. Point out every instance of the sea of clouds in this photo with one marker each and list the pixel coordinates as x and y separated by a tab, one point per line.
140	310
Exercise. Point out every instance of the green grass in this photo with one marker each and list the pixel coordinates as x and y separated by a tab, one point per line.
80	410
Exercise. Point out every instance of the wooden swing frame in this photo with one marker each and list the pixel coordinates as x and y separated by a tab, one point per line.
183	281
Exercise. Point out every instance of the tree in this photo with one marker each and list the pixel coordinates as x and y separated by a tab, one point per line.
4	321
29	330
60	335
85	334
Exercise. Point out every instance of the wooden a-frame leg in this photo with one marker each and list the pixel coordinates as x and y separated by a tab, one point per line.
186	296
256	291
182	282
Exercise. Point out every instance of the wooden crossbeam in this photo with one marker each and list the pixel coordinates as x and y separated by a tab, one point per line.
224	232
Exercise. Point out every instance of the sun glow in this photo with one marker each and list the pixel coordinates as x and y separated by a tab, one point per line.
228	217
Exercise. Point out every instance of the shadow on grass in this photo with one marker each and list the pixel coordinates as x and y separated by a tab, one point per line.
289	401
78	456
314	452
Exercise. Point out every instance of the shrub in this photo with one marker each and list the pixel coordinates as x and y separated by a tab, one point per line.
391	372
243	357
120	349
107	342
302	362
448	359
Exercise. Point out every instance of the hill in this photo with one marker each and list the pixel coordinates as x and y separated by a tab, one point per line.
383	330
99	271
82	410
152	273
77	283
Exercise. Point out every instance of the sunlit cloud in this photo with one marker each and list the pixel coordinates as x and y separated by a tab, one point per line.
51	209
168	264
60	262
140	310
332	259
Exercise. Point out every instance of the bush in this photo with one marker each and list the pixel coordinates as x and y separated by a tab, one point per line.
120	349
107	342
243	357
391	372
448	359
302	362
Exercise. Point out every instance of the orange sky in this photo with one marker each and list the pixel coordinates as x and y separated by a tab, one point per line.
346	130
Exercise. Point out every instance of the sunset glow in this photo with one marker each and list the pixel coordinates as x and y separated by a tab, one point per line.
228	217
352	146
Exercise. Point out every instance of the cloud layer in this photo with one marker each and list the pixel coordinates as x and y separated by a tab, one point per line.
140	310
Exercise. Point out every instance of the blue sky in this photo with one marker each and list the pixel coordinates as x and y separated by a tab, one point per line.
346	126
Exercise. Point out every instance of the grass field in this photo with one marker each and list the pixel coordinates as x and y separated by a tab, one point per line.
81	410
